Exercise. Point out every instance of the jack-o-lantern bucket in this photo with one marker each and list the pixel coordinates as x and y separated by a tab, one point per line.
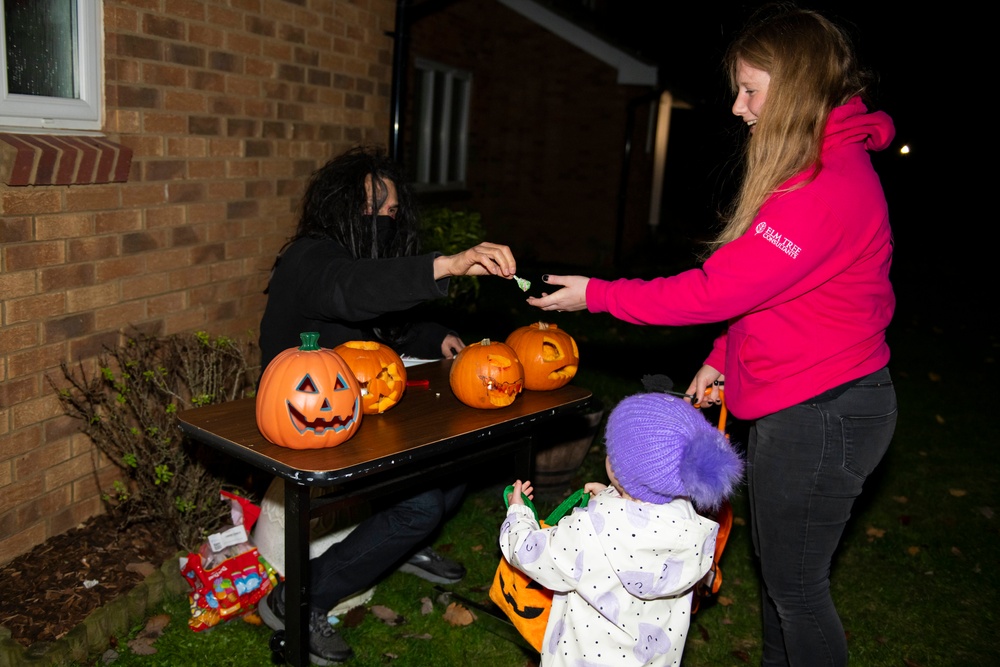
379	371
549	355
487	375
308	398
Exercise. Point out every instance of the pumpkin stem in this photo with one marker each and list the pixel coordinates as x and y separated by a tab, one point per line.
310	341
543	325
485	341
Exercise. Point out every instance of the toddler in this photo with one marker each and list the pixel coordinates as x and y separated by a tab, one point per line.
623	568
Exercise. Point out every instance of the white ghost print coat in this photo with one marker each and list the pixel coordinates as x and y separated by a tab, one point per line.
622	572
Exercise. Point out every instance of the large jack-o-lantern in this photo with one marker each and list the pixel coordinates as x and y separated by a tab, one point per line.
379	371
549	355
308	398
487	375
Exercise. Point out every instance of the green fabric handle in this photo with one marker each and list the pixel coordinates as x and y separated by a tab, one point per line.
578	498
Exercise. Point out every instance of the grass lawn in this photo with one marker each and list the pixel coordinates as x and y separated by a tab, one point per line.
915	580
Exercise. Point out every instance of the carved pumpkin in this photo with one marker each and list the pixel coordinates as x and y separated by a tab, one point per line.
549	355
487	375
379	371
308	398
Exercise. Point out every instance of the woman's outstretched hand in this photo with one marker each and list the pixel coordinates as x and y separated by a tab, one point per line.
572	296
484	259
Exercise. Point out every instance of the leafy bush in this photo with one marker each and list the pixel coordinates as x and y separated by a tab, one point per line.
449	232
129	410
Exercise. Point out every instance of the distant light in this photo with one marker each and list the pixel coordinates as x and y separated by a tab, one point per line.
905	149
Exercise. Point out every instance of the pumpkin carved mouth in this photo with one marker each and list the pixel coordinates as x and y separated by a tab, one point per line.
319	425
501	393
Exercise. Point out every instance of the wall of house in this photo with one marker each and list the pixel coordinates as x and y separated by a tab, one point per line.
547	136
226	107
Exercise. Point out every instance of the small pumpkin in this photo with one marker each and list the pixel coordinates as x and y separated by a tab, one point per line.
379	371
549	355
486	375
308	398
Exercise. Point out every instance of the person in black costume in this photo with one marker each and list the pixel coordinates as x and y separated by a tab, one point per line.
351	272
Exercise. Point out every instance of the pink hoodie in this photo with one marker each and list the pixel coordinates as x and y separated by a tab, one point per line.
805	290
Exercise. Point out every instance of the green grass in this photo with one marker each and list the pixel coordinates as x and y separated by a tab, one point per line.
915	580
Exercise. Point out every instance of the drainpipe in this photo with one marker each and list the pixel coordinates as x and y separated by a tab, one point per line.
399	49
632	106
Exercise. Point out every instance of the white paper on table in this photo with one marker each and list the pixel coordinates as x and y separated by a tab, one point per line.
415	361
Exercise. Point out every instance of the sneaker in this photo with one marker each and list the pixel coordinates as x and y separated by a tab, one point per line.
432	566
325	645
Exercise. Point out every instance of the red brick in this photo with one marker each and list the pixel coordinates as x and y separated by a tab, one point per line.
35	308
13	285
34	255
61	278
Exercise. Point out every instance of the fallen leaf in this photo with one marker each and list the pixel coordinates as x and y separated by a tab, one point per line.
872	531
882	639
939	419
902	500
253	618
986	512
913	551
934	377
724	601
354	616
742	656
739	521
142	646
478	547
387	616
958	493
955	551
426	606
145	569
727	621
456	614
423	636
155	625
911	663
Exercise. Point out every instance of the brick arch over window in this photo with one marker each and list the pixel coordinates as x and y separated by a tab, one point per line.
48	159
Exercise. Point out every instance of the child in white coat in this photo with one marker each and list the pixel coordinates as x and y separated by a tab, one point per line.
623	569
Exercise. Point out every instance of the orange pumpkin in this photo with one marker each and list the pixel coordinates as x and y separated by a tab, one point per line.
379	371
549	355
487	375
308	398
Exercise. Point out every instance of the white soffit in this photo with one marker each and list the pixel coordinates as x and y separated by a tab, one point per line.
630	70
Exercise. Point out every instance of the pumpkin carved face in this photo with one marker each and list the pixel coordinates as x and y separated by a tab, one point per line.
549	355
379	371
308	398
487	375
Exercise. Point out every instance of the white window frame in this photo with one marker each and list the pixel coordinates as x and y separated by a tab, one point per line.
435	138
33	113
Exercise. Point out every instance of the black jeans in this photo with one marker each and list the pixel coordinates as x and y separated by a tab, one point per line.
379	543
805	468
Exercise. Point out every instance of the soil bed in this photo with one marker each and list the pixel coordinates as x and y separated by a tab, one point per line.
45	591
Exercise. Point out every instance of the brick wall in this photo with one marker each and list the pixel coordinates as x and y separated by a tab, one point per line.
226	107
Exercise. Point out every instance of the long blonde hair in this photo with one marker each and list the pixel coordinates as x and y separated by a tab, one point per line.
813	69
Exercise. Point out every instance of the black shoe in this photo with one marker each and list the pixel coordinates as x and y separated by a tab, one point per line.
325	645
432	566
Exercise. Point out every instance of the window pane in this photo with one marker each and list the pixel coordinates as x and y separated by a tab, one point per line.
41	46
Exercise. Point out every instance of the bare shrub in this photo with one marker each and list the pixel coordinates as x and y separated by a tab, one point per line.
128	407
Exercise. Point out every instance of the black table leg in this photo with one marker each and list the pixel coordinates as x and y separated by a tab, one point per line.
296	574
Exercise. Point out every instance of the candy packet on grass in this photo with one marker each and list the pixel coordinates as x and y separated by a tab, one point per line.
228	576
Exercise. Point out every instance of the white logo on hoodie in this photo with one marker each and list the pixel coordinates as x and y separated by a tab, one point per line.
777	240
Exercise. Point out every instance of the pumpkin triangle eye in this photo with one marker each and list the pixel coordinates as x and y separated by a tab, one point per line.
307	385
341	384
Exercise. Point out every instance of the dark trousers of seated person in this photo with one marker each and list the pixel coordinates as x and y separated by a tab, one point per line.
378	544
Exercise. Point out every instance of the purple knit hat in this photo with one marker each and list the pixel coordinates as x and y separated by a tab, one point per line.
661	447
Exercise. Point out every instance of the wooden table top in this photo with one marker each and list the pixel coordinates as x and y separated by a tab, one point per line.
426	422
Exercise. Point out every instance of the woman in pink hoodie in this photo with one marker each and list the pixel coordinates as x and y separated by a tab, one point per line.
800	274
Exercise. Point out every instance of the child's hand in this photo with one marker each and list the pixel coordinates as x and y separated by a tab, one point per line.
593	488
514	497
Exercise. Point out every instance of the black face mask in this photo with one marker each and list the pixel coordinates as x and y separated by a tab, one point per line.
385	231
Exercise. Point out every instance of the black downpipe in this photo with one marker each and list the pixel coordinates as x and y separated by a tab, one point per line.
399	56
633	105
